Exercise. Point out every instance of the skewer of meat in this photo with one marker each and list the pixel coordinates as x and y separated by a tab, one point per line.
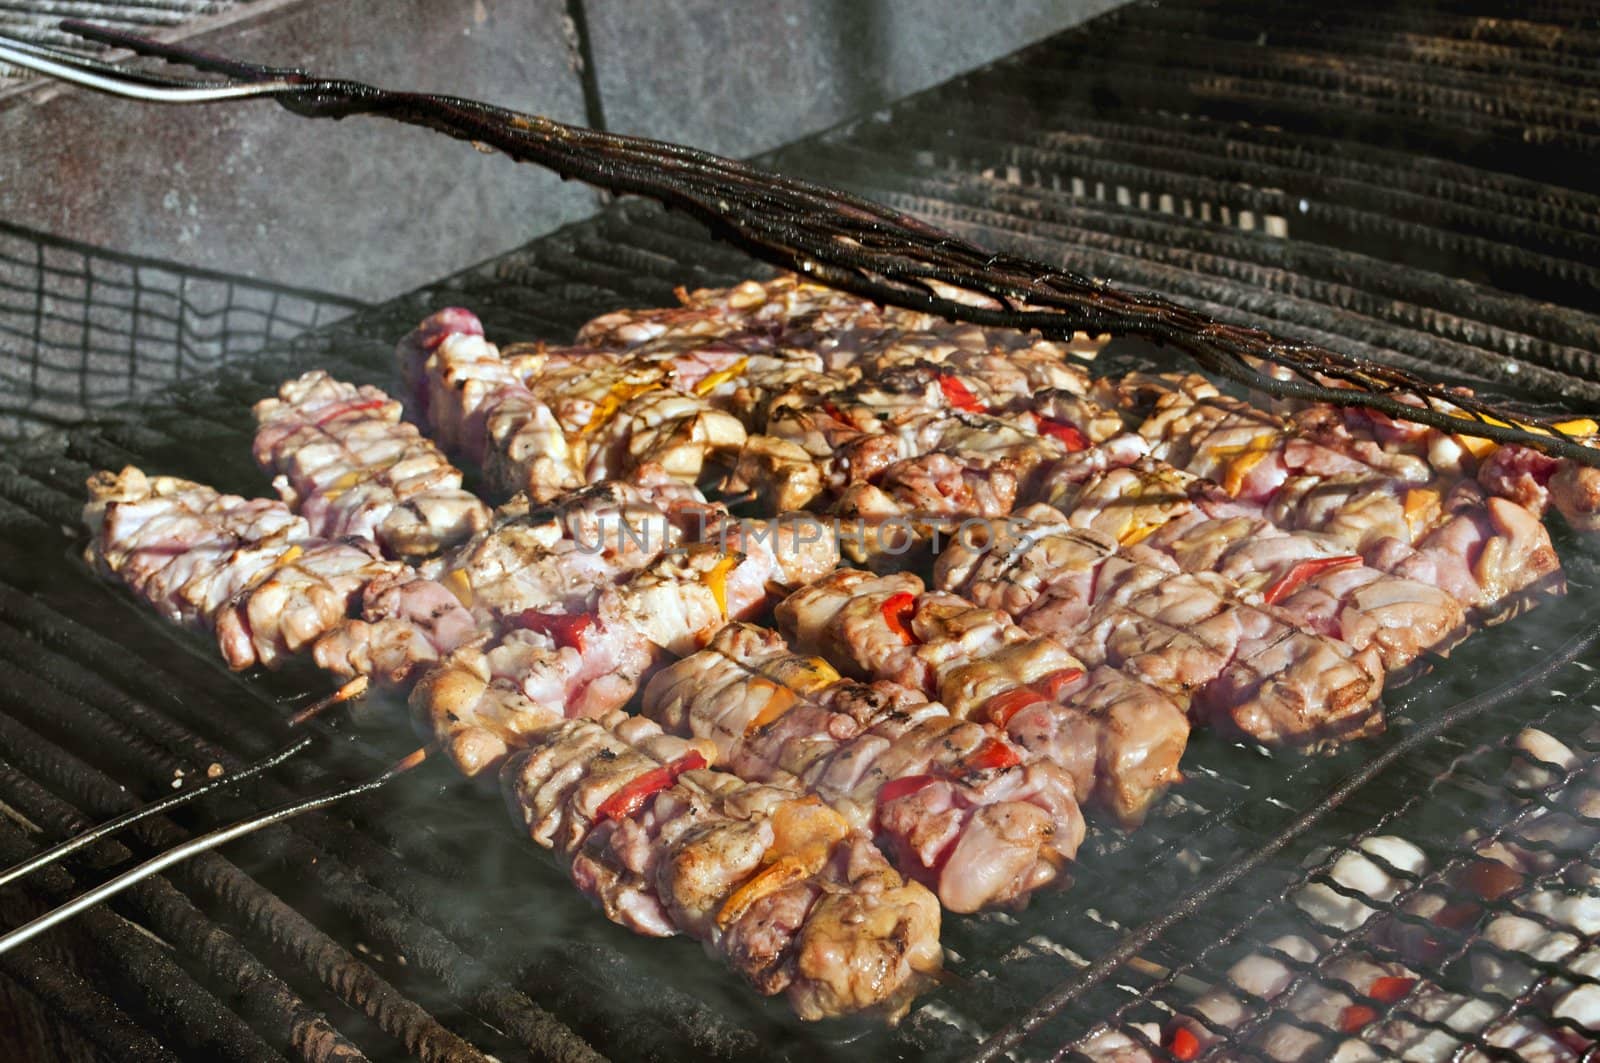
1118	738
1513	471
1246	668
251	572
342	458
1311	578
544	420
952	801
788	308
826	919
771	882
1487	552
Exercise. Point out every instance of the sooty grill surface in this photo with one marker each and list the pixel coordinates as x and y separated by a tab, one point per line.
1414	186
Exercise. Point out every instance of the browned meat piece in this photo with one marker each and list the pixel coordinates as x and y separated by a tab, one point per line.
1575	489
1188	634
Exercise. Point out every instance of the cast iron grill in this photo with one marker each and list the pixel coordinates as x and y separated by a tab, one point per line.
292	943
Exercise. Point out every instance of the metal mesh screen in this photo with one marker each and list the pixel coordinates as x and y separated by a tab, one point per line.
83	328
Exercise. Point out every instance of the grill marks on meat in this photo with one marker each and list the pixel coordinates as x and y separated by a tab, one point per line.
1120	742
774	884
1241	667
964	814
341	457
251	572
487	696
1398	498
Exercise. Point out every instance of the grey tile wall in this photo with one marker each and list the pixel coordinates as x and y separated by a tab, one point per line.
739	78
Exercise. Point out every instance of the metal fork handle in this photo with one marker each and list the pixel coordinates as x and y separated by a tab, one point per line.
127	819
131	84
196	846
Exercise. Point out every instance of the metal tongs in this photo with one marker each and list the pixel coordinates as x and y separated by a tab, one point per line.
836	238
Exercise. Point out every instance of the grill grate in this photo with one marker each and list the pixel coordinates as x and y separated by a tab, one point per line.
1434	254
82	328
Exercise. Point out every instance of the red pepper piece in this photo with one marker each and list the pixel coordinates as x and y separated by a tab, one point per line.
1302	573
632	795
1070	436
356	407
1183	1044
1000	708
895	789
567	629
1391	988
1457	916
959	395
833	411
1053	684
1385	990
897	610
1356	1017
993	753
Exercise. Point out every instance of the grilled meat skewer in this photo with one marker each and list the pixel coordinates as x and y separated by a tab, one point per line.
252	572
1118	738
772	882
950	800
343	459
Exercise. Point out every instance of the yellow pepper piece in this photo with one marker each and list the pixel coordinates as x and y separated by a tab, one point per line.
803	675
717	580
1421	510
341	485
775	876
1581	426
290	556
1137	534
716	380
1240	459
804	832
607	407
779	701
457	583
1477	446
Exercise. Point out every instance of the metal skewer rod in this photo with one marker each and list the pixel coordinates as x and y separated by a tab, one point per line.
356	688
112	826
203	843
133	84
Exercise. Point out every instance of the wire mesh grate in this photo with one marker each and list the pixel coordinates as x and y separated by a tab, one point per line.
83	328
